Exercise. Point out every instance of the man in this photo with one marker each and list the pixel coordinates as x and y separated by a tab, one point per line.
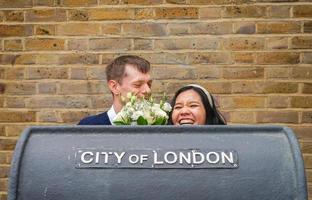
125	74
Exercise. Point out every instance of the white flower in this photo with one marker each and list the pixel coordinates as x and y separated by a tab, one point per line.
142	112
167	107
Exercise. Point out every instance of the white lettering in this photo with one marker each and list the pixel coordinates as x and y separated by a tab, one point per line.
155	159
228	158
83	159
105	157
133	159
187	158
119	157
174	156
143	158
217	157
195	156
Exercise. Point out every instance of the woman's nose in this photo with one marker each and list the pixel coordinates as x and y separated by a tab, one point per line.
184	110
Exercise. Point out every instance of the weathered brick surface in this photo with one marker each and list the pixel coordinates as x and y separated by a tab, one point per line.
254	56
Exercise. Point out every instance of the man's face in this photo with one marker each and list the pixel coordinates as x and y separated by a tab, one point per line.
135	82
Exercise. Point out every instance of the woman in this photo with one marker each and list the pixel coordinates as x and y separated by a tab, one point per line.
194	105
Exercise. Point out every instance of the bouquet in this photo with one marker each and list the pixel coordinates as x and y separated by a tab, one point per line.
140	111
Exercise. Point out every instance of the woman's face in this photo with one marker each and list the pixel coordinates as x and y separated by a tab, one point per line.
188	109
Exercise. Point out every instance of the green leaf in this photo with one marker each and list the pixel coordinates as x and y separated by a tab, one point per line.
159	121
142	121
120	123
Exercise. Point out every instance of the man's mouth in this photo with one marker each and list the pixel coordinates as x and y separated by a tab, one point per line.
186	122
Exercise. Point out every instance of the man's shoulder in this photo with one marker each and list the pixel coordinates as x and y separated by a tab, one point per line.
100	119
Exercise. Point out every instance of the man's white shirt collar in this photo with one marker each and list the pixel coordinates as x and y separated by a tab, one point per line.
111	114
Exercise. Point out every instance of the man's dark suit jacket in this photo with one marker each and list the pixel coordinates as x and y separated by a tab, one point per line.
100	119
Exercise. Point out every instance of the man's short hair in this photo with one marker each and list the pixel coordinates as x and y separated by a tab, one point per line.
116	69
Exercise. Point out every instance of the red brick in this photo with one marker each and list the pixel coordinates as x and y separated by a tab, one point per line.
78	59
173	44
243	102
243	44
244	11
202	72
15	16
98	87
307	58
307	27
144	29
111	29
15	30
17	116
277	117
281	73
216	28
13	130
210	13
78	73
302	73
242	117
307	88
97	73
78	44
301	42
108	2
43	2
171	58
210	57
144	13
78	29
16	3
47	73
45	29
245	27
78	15
20	88
15	73
172	72
245	87
13	45
279	11
278	58
302	132
277	43
301	102
111	14
5	170
15	102
278	27
47	116
280	87
143	44
58	102
302	11
142	2
73	116
47	88
243	57
44	44
307	117
72	3
243	73
108	44
176	13
278	102
46	15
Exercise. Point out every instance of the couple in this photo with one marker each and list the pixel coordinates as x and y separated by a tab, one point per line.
192	104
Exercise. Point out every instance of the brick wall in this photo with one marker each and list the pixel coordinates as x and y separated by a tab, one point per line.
254	55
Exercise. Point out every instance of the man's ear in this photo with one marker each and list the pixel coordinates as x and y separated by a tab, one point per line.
114	87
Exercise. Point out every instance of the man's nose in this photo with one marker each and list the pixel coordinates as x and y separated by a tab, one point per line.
146	90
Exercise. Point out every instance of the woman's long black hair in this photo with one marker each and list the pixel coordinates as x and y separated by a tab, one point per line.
213	116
